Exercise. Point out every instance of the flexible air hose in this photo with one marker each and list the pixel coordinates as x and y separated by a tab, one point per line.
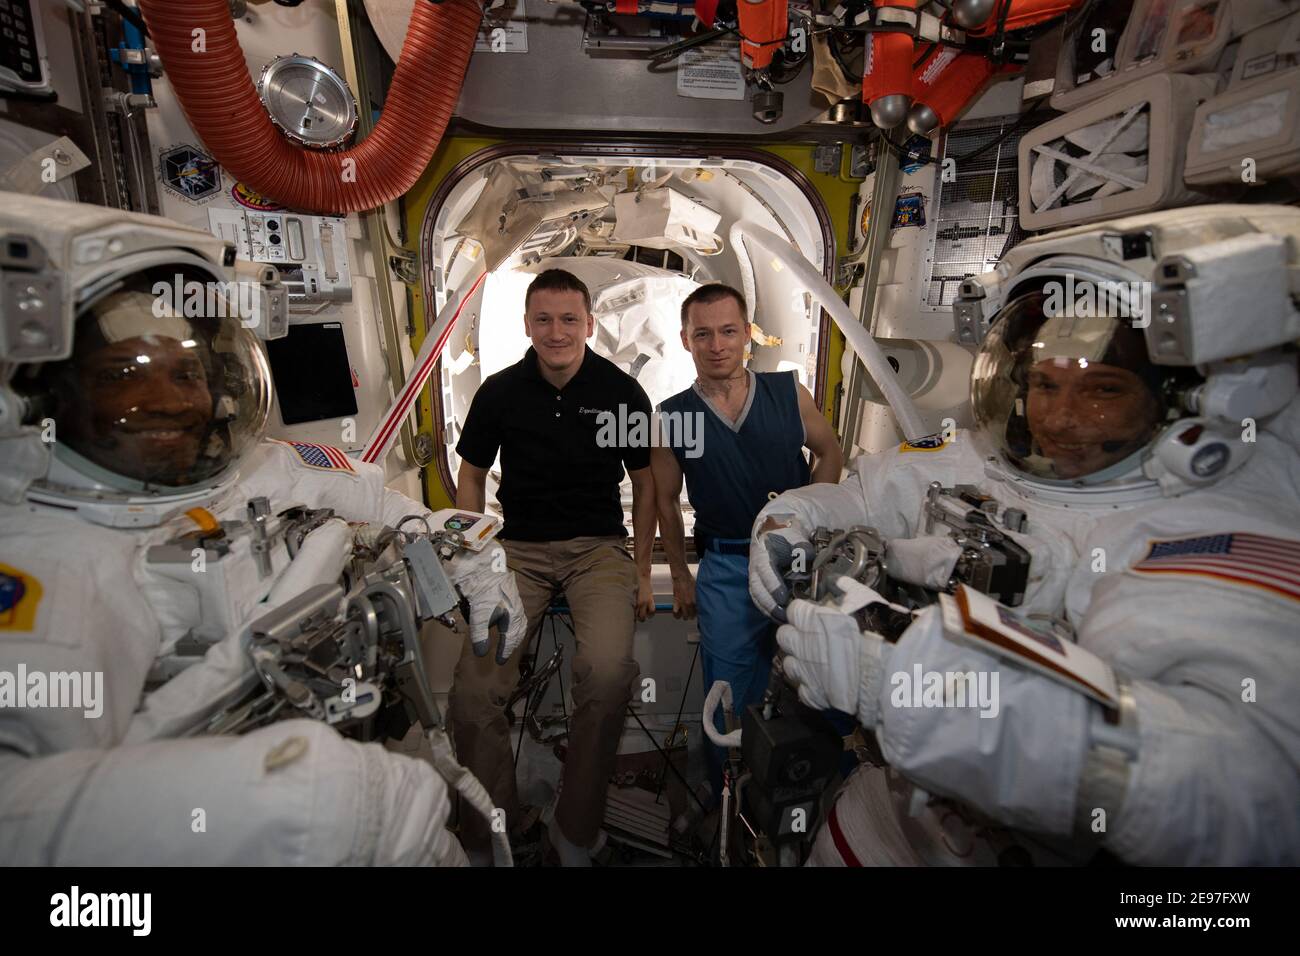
859	339
468	786
720	692
211	81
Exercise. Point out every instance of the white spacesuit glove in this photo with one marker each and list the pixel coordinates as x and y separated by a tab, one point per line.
832	662
772	553
489	587
782	533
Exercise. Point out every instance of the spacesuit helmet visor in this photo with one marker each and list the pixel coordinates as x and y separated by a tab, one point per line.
161	392
1064	397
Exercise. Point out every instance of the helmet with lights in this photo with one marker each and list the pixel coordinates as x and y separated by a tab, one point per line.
133	384
1131	356
1064	398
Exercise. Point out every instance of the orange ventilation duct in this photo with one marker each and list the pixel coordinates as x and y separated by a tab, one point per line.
211	81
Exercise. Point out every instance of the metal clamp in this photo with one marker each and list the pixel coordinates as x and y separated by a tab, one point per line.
259	513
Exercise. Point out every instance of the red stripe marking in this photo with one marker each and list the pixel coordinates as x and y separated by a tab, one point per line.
1251	553
837	835
1221	565
1267	546
1293	595
338	457
1286	542
1262	561
412	388
1229	575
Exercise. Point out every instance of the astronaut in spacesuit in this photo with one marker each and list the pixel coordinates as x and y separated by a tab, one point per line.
1159	504
153	435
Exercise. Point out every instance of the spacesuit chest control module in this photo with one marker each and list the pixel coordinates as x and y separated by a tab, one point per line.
346	652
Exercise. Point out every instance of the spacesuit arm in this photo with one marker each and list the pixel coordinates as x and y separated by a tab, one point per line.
1215	680
394	506
1015	752
295	793
1194	775
356	493
361	495
831	505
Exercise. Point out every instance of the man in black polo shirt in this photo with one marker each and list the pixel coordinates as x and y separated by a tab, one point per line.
561	466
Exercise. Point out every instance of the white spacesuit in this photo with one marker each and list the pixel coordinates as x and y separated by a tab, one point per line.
1160	511
131	566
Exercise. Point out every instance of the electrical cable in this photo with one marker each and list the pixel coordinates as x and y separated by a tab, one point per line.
671	51
32	97
997	140
849	74
745	39
667	762
903	154
1000	34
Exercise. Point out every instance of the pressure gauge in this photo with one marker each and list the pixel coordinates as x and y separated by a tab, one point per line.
308	101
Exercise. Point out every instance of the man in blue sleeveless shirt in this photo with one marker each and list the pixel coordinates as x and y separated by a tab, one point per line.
749	431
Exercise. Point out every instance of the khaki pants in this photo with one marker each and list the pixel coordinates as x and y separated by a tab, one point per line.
598	579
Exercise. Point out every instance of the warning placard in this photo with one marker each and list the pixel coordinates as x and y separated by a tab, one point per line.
711	72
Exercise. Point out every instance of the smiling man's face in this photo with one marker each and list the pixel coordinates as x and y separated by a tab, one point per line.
147	407
1088	416
558	323
716	334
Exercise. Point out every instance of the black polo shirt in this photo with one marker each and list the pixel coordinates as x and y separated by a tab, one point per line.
557	482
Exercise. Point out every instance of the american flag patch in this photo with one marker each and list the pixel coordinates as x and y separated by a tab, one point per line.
1257	560
320	456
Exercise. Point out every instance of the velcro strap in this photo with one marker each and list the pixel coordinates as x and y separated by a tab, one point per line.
928	28
899	15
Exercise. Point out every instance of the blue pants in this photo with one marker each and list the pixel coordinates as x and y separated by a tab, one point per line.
736	641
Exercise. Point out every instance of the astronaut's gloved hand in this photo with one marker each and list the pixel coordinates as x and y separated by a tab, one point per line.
483	578
779	541
782	535
832	662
